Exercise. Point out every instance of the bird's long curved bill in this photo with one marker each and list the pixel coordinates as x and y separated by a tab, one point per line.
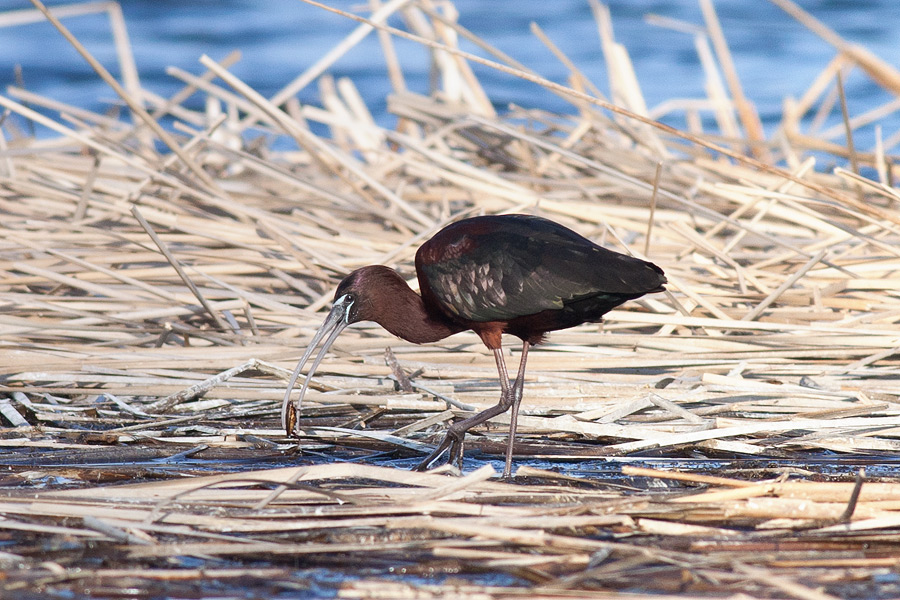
334	323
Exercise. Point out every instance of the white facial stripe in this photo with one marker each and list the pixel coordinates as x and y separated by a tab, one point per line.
347	302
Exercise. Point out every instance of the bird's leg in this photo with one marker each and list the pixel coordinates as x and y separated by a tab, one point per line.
516	393
457	431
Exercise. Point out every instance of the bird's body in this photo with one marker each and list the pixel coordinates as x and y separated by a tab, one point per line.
515	274
525	276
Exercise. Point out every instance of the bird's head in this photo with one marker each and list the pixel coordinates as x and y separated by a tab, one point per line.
367	293
359	297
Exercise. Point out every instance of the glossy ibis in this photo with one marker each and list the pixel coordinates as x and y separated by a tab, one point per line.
515	274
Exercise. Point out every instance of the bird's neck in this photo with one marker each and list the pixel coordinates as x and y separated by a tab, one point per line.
415	324
402	312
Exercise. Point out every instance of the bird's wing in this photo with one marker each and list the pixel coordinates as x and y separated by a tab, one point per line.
518	271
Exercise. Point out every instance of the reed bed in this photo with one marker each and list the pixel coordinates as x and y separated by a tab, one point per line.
157	285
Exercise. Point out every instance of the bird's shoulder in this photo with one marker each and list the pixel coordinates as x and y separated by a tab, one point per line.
488	237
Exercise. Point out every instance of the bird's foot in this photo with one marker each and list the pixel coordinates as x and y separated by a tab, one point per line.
450	441
456	454
423	466
435	454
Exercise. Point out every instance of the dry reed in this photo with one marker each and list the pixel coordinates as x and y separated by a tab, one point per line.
153	302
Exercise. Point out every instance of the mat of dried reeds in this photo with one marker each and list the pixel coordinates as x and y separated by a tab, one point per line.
157	284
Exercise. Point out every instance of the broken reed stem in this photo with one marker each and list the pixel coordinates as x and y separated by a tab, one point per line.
402	379
223	326
854	497
81	209
745	109
787	284
653	197
848	129
690	477
395	73
188	90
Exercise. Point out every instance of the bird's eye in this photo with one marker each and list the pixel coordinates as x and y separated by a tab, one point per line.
347	302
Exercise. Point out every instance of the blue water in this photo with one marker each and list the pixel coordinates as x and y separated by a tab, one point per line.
775	56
